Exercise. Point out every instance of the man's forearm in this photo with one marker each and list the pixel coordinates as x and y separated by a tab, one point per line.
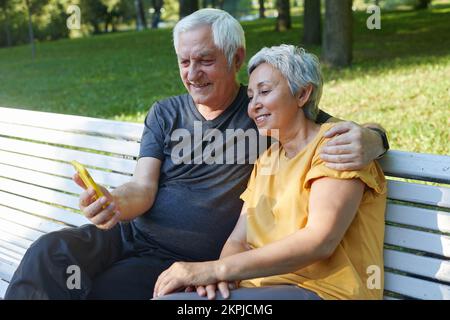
133	199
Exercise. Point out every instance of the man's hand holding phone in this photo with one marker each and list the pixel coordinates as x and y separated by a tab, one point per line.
96	202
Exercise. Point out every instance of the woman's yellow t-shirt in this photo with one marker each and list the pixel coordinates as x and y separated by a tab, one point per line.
277	199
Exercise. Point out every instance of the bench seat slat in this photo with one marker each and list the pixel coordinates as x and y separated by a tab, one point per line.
42	209
19	230
418	240
12	247
416	288
3	287
65	122
11	253
64	154
59	168
15	239
419	166
419	193
9	260
389	298
419	265
6	271
70	139
418	217
38	193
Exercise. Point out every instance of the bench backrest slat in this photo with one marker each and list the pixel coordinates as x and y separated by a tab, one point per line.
29	220
408	286
418	217
117	129
62	154
58	168
119	147
419	193
418	240
418	166
420	265
39	193
41	179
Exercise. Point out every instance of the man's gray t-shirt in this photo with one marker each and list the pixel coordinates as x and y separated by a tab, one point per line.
198	204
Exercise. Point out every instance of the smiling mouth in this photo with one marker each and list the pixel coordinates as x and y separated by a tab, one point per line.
261	118
199	86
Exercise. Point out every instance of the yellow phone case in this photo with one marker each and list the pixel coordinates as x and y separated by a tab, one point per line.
87	179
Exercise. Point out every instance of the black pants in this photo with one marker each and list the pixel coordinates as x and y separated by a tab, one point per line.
115	264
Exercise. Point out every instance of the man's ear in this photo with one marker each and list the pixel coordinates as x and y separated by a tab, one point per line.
304	94
239	58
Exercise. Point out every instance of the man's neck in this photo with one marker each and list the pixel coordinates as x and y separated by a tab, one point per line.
212	112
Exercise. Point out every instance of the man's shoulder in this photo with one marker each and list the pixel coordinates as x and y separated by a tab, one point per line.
173	102
171	106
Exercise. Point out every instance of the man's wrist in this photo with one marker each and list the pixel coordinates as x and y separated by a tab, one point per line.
384	140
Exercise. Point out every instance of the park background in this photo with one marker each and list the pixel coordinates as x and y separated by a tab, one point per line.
122	60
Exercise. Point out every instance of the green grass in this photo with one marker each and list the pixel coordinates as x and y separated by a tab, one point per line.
400	77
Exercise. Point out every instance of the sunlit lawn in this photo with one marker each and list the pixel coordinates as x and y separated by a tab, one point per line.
400	77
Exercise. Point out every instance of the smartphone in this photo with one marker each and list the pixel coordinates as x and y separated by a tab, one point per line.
87	179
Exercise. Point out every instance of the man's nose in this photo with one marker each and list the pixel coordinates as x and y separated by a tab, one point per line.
193	72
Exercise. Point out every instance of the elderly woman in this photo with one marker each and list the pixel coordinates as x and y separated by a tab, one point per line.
306	231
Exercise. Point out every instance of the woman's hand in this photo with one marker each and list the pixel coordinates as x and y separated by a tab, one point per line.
210	290
181	275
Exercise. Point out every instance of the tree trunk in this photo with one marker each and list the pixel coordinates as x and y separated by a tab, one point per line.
284	15
187	7
262	9
220	4
107	22
422	4
96	26
7	30
311	22
157	5
141	22
337	36
30	30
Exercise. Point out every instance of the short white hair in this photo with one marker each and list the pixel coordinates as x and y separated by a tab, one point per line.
298	67
227	32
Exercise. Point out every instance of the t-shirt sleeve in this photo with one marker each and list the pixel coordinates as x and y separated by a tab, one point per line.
371	175
152	142
247	194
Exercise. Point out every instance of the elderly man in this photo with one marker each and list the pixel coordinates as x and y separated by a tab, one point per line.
176	206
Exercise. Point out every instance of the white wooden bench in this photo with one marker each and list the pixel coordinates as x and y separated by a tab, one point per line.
37	194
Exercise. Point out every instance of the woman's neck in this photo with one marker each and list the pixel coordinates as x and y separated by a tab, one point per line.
297	137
